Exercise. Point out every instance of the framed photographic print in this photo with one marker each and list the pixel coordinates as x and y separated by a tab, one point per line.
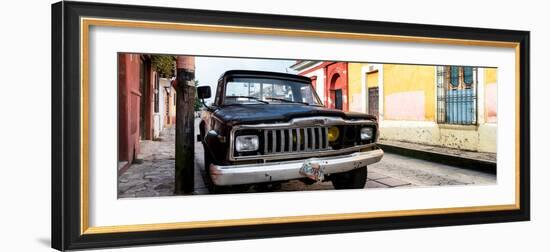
183	125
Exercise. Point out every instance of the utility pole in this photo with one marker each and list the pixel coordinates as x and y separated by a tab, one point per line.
185	125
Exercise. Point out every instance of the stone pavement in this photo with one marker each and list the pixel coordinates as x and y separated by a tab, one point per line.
485	156
399	169
154	176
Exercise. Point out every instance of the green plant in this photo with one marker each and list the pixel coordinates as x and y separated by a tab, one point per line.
164	65
198	103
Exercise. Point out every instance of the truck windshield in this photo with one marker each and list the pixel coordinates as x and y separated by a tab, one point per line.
265	90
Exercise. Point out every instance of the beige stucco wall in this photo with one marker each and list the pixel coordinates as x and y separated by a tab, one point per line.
490	81
355	86
409	88
475	138
410	131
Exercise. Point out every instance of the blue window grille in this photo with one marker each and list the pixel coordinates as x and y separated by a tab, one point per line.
456	95
454	78
468	75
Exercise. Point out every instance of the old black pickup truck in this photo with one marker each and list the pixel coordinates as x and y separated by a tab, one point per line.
267	128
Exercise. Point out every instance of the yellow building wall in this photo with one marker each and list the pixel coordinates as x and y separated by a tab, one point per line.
410	79
490	82
372	79
410	91
490	75
354	78
354	86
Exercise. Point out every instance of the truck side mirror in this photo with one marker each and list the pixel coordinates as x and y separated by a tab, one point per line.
203	92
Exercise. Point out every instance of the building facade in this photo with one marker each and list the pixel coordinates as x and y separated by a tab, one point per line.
451	106
142	110
165	117
330	80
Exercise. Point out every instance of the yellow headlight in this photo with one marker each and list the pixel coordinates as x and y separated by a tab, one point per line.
333	134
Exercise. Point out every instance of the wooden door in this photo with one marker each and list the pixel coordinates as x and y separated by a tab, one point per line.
338	99
166	108
373	101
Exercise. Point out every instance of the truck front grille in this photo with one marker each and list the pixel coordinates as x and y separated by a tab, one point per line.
295	140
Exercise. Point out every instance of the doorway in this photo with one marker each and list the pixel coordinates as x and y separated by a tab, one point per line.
373	101
336	93
338	99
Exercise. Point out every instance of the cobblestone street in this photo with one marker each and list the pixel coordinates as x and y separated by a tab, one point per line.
154	176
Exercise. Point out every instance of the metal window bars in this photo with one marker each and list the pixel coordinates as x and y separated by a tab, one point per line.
457	102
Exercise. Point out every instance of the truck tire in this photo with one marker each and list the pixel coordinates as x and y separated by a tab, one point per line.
354	179
212	189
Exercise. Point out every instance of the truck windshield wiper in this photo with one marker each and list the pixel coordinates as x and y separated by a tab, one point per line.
285	100
248	97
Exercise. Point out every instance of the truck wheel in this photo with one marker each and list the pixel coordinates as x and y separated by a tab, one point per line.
354	179
213	189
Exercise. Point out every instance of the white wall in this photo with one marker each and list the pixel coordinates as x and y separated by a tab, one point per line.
25	191
320	83
158	118
161	107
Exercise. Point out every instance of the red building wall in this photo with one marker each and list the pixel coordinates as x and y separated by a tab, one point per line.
128	106
336	77
148	95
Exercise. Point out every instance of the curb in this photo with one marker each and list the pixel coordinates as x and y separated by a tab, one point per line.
446	159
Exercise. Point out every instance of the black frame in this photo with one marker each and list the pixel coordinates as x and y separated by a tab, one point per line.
66	125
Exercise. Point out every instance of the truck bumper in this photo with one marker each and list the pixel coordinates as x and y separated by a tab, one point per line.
281	171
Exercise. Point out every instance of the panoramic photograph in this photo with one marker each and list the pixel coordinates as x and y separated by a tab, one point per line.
199	125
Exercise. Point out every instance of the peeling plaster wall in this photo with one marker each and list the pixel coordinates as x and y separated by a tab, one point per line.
459	137
487	138
475	138
410	131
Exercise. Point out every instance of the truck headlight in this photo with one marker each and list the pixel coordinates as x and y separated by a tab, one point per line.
333	133
366	133
246	143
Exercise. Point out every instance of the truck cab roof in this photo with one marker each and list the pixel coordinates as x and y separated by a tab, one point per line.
264	74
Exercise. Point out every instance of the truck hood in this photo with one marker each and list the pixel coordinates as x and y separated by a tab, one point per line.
270	113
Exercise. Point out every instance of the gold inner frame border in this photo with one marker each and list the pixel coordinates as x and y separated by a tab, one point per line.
85	24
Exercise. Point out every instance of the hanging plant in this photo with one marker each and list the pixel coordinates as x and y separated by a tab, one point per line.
164	65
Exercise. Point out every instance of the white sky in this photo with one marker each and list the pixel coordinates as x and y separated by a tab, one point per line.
209	69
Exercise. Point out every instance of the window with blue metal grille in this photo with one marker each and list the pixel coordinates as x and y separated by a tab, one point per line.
454	79
456	95
468	76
